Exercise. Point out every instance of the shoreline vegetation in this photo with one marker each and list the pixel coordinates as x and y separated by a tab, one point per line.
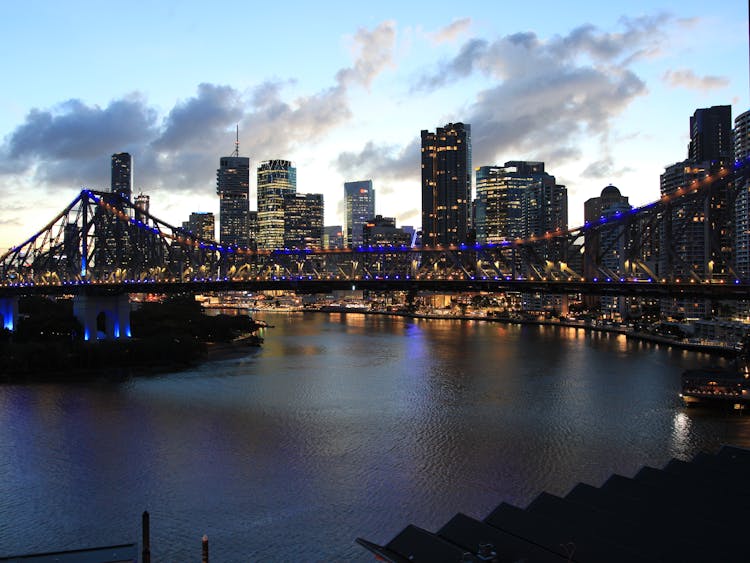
169	336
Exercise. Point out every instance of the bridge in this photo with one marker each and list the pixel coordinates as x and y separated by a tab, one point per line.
102	247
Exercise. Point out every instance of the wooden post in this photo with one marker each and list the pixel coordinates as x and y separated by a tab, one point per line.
146	534
205	549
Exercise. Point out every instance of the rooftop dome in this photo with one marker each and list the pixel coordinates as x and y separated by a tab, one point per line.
611	191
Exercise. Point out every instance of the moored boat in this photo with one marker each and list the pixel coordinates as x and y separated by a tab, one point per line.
719	386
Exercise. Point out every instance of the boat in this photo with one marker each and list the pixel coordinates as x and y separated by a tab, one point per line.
727	386
716	386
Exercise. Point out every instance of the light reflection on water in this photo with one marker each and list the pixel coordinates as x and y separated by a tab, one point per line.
340	426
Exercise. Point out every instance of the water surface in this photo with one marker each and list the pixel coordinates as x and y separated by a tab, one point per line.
340	426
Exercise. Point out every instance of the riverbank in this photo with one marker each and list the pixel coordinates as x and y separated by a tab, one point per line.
707	348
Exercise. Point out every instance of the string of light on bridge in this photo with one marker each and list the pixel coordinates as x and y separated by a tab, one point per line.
189	240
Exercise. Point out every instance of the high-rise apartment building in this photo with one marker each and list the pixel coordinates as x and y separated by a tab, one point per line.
446	184
711	134
303	221
742	195
276	178
359	207
233	189
122	175
696	233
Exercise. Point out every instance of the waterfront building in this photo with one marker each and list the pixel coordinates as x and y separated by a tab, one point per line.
742	204
742	196
233	189
359	207
333	237
382	231
446	184
606	247
303	221
696	236
276	178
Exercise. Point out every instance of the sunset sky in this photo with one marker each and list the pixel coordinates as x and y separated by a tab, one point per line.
601	92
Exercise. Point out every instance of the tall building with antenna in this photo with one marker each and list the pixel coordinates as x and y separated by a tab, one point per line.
233	189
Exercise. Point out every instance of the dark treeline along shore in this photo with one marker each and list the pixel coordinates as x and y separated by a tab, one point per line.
48	344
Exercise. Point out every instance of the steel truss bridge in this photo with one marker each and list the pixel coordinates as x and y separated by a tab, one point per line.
102	243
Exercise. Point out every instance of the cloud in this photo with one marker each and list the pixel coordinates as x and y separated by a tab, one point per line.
548	94
413	216
373	52
602	169
386	162
70	144
452	31
545	96
686	78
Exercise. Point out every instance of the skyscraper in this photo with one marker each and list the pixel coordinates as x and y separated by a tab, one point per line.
122	174
446	184
233	189
303	221
276	178
711	134
519	200
359	201
742	197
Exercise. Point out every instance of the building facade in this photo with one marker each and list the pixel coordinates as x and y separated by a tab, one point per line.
303	221
233	189
122	175
202	224
742	196
276	179
359	204
382	231
446	184
333	237
520	200
711	134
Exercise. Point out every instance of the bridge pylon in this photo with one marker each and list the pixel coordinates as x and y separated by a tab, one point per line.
9	312
103	317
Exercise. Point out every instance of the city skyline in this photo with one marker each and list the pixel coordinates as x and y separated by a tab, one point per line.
613	92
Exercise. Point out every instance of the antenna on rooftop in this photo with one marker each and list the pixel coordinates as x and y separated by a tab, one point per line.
237	142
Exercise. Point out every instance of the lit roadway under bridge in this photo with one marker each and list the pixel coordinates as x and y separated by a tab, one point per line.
640	288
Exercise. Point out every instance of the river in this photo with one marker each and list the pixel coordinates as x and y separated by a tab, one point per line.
339	426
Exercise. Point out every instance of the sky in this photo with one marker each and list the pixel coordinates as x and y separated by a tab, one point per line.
601	92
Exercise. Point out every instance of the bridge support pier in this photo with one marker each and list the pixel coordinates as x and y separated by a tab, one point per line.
9	312
103	316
